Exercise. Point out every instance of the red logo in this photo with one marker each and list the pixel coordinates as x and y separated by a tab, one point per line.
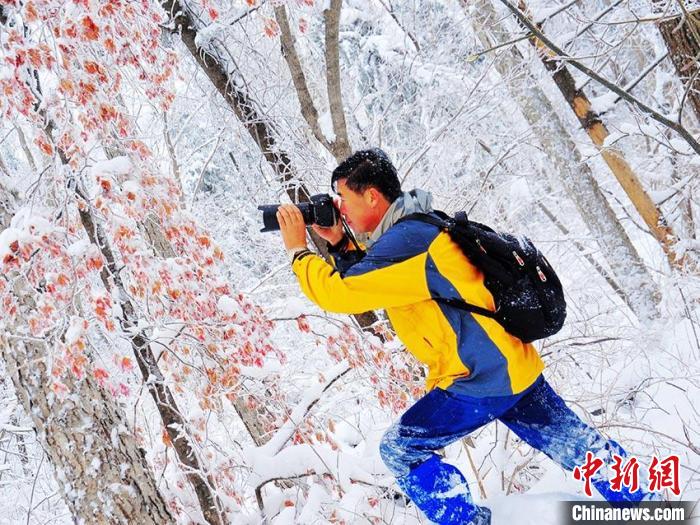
665	477
663	474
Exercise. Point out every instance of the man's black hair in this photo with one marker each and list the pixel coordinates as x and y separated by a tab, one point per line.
369	168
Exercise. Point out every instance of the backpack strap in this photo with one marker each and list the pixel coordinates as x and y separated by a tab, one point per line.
463	305
442	221
446	223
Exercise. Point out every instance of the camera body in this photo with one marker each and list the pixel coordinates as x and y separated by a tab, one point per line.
320	210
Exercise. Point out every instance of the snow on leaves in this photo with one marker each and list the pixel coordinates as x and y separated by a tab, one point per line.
68	63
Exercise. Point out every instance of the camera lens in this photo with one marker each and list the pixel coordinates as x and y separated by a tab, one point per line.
270	222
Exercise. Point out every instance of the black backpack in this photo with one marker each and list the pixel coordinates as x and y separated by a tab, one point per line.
529	298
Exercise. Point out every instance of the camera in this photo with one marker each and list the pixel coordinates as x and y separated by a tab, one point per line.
320	210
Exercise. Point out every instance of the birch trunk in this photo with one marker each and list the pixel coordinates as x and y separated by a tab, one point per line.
102	473
261	130
574	174
595	128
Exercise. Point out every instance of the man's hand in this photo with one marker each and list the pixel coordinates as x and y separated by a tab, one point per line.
332	234
292	226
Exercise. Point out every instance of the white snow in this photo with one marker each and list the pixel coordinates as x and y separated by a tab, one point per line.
78	248
116	166
75	330
227	305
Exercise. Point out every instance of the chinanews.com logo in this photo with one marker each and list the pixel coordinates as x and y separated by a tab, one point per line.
662	475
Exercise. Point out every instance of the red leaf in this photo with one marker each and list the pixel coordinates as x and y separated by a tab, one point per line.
100	374
90	29
271	27
30	14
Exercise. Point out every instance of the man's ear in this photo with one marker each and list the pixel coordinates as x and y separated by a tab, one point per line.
372	196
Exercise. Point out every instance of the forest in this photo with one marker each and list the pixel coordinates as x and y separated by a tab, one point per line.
158	360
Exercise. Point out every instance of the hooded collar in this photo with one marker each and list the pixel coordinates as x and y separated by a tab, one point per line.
414	201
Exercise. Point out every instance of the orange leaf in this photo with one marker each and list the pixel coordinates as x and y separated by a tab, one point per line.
71	31
44	146
271	27
109	45
126	364
107	112
34	57
90	29
66	86
30	14
91	67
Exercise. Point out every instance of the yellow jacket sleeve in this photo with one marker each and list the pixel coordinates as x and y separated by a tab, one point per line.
392	273
372	284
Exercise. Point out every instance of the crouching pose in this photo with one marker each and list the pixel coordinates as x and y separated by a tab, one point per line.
477	371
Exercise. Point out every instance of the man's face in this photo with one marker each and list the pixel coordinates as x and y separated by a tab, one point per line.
362	211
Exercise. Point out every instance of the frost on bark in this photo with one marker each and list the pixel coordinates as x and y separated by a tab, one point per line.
682	37
171	416
102	473
595	128
574	174
340	145
261	130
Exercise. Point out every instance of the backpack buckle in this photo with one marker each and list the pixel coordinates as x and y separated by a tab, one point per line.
541	275
448	224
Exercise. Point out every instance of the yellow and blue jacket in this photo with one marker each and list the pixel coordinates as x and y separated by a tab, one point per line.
409	266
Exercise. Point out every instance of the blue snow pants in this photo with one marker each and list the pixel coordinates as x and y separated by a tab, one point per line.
538	416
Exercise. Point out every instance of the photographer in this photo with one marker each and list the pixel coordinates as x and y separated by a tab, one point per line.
477	371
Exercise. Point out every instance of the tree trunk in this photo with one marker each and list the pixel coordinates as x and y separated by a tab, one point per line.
103	474
173	421
260	129
597	131
340	147
331	16
682	37
575	175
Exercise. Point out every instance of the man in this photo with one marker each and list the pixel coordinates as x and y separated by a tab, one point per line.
477	371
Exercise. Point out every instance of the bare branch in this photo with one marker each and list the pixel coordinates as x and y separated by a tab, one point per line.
341	144
398	23
629	87
683	132
306	103
173	156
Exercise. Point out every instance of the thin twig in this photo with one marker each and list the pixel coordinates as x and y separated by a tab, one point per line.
31	496
684	133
